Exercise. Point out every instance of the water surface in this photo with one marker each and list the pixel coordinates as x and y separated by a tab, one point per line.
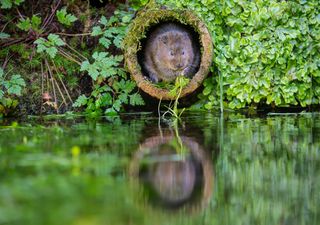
210	169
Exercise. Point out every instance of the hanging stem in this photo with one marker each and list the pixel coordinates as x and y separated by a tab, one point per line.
221	91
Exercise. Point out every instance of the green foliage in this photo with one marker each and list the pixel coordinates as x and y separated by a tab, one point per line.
137	4
64	17
9	88
4	35
111	98
266	51
113	29
113	90
27	24
104	65
175	91
7	4
49	46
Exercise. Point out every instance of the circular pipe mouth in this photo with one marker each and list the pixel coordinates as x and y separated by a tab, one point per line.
137	31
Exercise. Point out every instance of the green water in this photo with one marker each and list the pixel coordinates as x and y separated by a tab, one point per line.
129	170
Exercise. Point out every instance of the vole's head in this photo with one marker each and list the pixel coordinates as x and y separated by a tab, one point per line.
175	50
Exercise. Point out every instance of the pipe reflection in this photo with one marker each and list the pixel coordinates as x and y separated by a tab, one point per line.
174	172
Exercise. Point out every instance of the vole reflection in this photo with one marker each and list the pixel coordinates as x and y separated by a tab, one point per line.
175	172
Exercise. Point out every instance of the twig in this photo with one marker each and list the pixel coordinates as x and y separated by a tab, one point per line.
64	100
63	85
52	83
42	86
50	18
6	61
66	55
76	52
5	25
19	14
73	35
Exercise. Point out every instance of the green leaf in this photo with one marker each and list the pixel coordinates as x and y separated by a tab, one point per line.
64	17
55	40
104	21
136	99
1	74
24	24
123	98
6	4
96	31
52	51
14	85
1	94
117	105
4	35
35	22
105	42
81	101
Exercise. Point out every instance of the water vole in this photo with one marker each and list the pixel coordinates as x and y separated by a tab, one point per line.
169	52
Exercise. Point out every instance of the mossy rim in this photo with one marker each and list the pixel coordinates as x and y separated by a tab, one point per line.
148	18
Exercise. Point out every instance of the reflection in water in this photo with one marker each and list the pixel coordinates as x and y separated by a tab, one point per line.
266	171
175	171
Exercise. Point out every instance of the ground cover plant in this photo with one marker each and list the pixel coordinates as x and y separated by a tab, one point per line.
266	52
69	54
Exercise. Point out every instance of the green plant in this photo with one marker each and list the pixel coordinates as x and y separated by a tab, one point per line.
175	91
49	46
113	29
7	4
110	97
112	89
27	24
266	51
9	88
64	17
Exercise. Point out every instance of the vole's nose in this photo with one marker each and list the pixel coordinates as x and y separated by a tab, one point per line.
180	65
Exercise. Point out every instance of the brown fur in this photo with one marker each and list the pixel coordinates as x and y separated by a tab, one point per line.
170	52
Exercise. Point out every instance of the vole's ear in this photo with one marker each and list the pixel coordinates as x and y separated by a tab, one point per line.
164	39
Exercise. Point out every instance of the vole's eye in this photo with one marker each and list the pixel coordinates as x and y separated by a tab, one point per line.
171	53
182	53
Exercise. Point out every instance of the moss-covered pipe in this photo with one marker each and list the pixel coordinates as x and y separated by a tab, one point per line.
149	17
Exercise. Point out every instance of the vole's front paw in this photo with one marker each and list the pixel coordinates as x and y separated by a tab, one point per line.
153	77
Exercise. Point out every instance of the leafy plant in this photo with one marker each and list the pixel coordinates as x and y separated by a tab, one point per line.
180	83
112	89
113	29
266	52
4	35
27	24
111	98
7	4
104	66
49	46
8	89
64	17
